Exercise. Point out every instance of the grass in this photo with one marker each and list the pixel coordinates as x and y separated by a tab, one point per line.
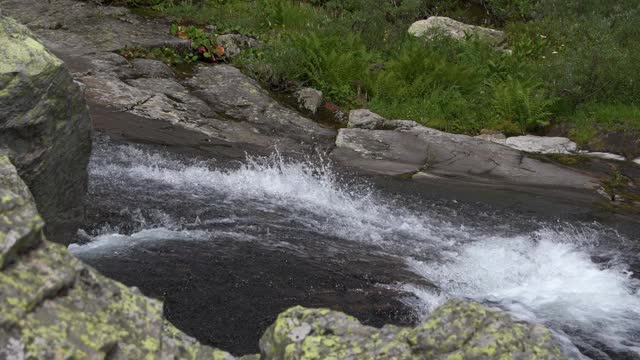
573	62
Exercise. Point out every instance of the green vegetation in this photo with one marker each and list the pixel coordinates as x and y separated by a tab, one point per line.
572	62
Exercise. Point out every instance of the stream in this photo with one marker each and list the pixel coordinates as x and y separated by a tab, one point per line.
229	244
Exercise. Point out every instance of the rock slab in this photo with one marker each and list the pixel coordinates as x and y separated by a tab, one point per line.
412	148
45	127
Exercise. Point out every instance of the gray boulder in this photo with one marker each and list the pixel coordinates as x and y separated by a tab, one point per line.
456	330
309	99
455	29
45	127
364	119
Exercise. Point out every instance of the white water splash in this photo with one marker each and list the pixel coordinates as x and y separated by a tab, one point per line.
547	276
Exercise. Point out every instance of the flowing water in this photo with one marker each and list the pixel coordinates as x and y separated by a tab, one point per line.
269	227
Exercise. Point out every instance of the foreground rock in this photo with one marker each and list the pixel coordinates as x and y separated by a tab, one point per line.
414	149
456	330
44	127
440	25
54	307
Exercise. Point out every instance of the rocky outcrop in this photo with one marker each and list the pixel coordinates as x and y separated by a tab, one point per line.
456	330
428	152
52	306
440	25
44	127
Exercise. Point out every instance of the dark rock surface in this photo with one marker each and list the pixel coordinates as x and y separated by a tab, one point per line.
44	127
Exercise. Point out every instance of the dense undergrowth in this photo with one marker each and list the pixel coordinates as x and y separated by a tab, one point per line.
573	62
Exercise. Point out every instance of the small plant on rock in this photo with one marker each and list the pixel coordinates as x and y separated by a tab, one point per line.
204	45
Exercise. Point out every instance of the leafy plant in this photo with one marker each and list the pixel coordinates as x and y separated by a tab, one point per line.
522	103
204	45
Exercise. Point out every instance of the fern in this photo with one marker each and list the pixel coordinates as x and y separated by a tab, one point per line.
522	103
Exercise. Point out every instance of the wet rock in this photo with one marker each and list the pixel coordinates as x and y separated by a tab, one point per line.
456	330
152	68
45	127
605	156
493	136
444	155
309	99
454	29
234	44
53	306
542	144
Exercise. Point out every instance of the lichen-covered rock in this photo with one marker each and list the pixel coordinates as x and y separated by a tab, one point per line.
20	224
52	306
456	330
454	29
44	127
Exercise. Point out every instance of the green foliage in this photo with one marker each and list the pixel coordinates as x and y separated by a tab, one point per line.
204	45
521	103
573	61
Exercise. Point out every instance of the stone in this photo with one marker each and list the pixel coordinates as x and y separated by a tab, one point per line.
493	136
234	44
605	156
309	99
52	306
447	156
364	119
45	127
454	29
456	330
542	144
637	161
152	68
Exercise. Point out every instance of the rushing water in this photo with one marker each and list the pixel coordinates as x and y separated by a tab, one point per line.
578	279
